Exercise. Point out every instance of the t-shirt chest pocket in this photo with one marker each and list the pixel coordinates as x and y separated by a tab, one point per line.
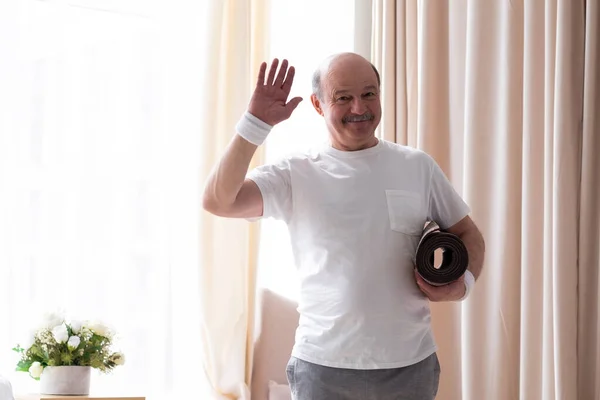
406	211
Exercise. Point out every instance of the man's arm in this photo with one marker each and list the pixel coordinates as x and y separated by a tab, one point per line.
468	232
227	193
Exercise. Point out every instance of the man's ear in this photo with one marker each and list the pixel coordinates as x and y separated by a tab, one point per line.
316	103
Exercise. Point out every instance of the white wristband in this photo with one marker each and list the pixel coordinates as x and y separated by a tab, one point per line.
469	283
253	129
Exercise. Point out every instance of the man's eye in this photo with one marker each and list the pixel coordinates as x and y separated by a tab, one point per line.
369	94
343	98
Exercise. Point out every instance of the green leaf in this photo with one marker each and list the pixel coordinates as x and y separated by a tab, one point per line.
23	365
36	350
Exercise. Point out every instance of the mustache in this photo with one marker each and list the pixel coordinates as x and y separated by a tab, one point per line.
359	118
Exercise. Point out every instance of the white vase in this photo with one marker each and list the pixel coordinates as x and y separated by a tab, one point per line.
65	380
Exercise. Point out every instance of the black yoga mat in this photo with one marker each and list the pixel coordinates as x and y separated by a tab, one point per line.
455	259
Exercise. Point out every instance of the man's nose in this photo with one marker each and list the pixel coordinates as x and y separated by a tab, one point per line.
358	106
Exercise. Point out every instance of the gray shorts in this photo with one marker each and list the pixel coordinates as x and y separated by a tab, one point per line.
315	382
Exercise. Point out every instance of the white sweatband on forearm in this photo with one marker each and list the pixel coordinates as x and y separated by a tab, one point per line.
253	129
469	283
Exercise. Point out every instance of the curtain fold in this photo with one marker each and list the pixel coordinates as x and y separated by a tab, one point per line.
588	346
504	95
237	37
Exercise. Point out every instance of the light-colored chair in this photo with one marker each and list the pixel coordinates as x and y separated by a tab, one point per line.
277	321
6	391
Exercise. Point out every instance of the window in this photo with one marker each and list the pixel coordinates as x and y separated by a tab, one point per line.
98	180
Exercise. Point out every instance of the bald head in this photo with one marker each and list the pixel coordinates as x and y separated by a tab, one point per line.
340	60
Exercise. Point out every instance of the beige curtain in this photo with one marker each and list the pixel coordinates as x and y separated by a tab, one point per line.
237	46
505	95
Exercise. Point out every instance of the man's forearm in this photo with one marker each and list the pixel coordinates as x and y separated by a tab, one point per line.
226	179
475	245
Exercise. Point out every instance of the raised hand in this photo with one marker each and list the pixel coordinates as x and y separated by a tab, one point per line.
269	101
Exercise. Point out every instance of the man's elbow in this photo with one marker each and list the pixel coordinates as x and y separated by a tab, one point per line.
212	205
208	204
475	241
474	235
481	240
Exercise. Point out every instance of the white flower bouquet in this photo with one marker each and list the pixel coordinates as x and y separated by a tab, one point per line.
62	343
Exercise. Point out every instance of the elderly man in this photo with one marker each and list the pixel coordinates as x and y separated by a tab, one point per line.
355	210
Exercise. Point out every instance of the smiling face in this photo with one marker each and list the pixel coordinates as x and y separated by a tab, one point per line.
349	102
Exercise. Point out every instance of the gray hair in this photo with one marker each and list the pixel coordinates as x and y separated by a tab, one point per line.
316	81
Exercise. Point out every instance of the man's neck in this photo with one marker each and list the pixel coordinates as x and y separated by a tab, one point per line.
356	146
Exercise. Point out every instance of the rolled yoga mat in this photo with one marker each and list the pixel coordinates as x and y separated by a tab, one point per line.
455	256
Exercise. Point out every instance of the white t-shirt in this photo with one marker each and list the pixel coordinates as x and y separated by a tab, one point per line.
355	219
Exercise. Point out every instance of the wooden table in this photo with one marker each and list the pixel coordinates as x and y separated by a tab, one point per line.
90	397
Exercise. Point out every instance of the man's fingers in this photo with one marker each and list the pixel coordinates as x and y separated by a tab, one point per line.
261	74
448	292
423	286
420	281
272	71
426	293
287	84
459	286
293	103
281	75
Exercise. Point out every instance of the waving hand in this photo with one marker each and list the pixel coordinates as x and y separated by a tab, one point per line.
269	101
